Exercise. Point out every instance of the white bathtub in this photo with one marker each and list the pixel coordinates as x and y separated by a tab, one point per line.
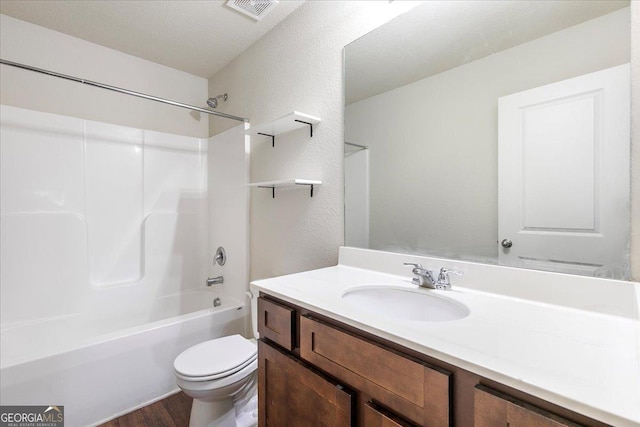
100	366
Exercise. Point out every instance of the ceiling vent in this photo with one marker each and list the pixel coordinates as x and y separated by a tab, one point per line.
256	9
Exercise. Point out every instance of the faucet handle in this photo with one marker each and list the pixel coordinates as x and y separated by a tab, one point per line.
423	277
413	264
443	277
220	257
417	269
445	270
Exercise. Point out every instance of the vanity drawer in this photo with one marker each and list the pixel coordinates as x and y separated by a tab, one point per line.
492	408
414	389
275	322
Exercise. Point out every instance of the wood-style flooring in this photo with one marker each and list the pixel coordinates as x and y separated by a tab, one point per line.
170	412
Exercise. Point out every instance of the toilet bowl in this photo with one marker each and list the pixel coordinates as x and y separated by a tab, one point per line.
220	376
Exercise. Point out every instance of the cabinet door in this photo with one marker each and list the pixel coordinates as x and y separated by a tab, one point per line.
377	417
493	409
290	394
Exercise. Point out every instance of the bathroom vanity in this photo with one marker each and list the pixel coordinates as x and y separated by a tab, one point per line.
324	360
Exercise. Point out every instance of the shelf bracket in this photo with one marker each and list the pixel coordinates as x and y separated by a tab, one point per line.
273	191
273	138
310	127
310	189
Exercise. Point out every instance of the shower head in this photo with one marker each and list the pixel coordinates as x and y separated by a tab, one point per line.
213	102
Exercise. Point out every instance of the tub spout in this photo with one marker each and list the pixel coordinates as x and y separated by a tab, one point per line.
215	280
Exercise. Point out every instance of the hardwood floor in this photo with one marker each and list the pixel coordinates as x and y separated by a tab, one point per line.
170	412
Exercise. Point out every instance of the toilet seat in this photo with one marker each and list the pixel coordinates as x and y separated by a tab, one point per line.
218	375
219	384
215	359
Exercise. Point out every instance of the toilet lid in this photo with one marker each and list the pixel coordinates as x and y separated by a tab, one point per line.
219	356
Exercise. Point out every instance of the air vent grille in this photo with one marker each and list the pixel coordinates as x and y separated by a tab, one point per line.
256	9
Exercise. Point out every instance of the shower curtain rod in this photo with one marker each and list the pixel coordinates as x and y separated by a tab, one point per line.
120	90
363	147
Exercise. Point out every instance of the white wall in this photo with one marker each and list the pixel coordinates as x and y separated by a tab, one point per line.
433	143
298	66
40	47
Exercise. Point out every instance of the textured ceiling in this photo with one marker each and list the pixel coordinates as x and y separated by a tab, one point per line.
441	35
199	37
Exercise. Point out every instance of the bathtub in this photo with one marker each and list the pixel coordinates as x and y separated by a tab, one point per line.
100	366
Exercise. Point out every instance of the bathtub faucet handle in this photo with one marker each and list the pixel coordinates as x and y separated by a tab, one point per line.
215	280
220	257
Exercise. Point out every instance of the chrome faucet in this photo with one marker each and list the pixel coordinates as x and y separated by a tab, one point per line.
443	278
424	277
215	280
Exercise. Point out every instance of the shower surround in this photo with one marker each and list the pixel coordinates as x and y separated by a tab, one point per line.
104	247
95	214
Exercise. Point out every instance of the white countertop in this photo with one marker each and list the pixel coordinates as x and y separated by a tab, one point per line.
585	361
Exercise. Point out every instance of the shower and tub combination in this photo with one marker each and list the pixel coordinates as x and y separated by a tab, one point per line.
107	241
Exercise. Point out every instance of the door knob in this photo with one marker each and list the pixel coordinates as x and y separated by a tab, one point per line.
506	243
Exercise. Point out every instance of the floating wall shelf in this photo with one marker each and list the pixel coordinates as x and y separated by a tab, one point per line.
284	124
286	183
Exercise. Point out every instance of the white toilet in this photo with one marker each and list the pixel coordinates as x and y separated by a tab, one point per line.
221	377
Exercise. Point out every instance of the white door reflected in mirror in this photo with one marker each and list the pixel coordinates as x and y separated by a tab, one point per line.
563	167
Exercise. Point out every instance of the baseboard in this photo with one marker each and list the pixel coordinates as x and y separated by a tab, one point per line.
135	408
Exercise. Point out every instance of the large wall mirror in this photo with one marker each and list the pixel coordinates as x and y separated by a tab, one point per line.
493	131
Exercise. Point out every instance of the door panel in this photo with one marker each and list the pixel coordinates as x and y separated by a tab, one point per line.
559	164
564	183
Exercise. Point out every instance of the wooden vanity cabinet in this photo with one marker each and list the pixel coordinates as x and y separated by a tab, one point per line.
390	388
314	371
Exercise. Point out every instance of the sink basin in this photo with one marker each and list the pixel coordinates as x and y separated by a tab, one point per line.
405	304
